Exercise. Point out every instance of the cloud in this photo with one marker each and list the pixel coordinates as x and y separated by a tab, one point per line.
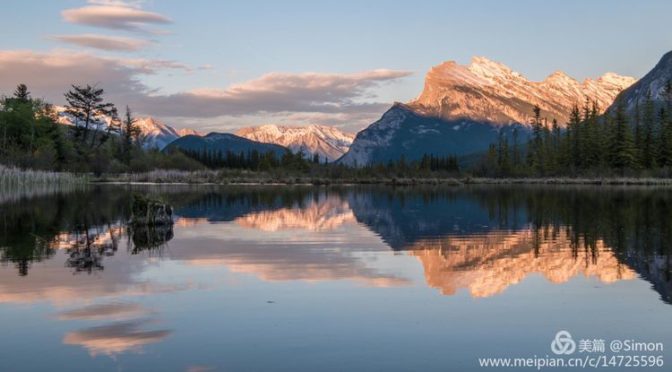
114	15
104	311
331	97
49	75
104	42
133	4
115	338
279	92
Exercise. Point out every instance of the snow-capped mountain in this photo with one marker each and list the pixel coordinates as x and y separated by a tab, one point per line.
463	109
653	82
155	134
327	142
489	91
158	135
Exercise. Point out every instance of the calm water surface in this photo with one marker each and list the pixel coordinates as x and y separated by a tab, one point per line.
343	279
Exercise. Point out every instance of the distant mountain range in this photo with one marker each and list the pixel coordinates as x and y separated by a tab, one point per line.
328	142
155	134
464	109
461	111
216	142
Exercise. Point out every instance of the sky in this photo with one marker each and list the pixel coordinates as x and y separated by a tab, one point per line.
222	65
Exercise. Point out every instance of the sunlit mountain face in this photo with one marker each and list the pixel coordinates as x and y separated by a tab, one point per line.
114	290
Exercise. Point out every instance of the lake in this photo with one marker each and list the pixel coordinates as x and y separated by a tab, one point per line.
254	278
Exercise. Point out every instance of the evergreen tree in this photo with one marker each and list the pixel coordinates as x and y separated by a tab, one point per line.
535	157
647	146
622	148
665	120
515	156
21	93
85	104
130	134
573	134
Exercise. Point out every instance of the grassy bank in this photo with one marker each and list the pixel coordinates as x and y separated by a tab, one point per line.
18	183
15	177
13	180
233	177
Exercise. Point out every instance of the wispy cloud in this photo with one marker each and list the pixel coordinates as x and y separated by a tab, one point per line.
50	74
116	15
336	97
279	92
104	42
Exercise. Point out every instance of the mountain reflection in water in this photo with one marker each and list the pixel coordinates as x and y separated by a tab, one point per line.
75	251
481	239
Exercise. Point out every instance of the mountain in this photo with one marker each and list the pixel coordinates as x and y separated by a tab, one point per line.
463	109
489	91
158	135
653	82
327	142
155	133
404	131
223	142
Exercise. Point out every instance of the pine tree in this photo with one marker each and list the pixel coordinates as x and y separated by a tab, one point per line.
85	104
665	138
515	156
574	136
622	147
21	93
665	120
648	148
535	157
130	133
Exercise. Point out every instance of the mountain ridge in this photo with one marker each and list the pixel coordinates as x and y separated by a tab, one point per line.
490	91
462	109
654	82
327	142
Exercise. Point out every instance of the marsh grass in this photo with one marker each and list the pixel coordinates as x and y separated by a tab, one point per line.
16	183
232	177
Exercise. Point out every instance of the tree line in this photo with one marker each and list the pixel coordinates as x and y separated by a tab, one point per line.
35	135
615	143
250	160
100	140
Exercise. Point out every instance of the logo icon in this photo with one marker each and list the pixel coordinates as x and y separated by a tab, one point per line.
563	343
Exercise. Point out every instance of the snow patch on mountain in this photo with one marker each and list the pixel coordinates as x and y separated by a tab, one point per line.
325	141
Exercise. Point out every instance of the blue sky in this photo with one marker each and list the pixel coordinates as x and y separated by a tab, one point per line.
190	57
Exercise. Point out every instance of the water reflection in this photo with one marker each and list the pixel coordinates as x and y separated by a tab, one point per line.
487	264
480	240
116	338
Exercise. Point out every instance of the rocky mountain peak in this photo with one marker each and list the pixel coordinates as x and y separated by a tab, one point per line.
490	91
653	82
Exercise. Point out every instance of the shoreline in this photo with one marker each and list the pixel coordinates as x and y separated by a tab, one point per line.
463	181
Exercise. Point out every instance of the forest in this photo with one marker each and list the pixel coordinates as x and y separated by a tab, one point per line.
612	144
616	143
